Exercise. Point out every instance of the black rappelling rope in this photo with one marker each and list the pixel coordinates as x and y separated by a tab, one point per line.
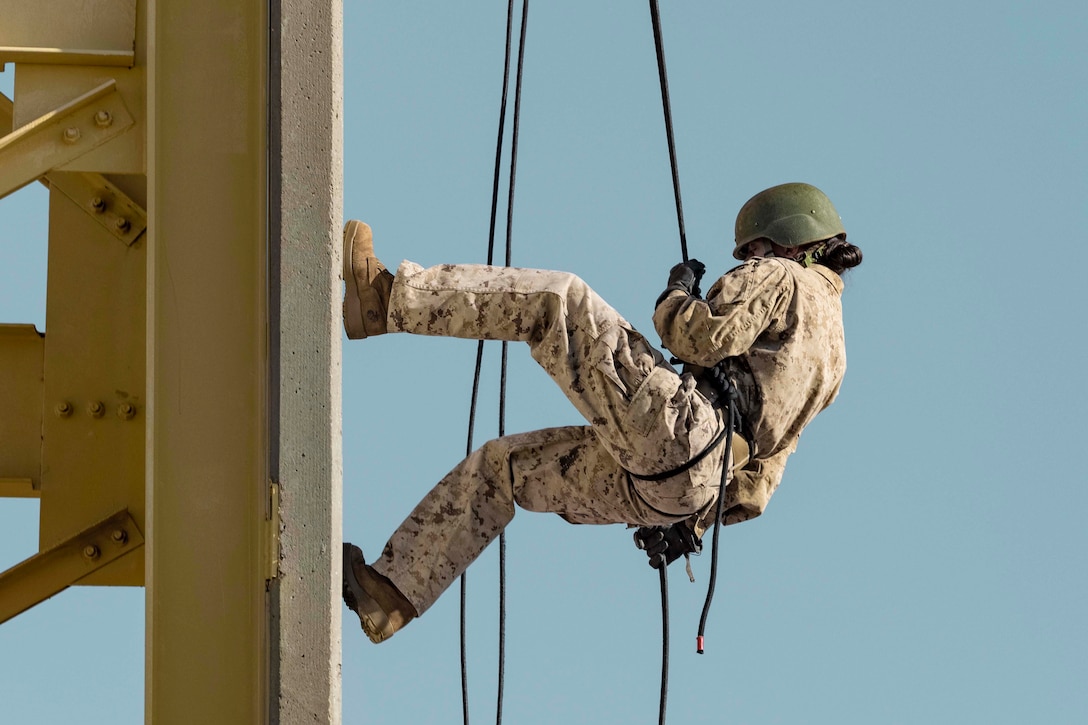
655	18
663	77
505	345
480	346
664	642
720	510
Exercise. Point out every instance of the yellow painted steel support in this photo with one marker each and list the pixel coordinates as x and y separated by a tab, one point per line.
18	488
62	136
99	25
109	205
95	405
55	569
66	56
208	362
21	393
176	382
41	88
103	201
7	115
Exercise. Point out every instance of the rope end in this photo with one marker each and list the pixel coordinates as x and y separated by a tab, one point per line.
699	644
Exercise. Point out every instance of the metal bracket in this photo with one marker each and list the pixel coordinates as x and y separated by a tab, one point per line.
62	136
105	203
54	570
272	533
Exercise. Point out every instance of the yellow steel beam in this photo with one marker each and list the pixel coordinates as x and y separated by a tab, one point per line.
66	56
54	570
93	430
40	88
18	488
207	363
102	24
61	136
7	115
22	350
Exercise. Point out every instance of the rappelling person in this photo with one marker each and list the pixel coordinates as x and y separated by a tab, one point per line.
653	452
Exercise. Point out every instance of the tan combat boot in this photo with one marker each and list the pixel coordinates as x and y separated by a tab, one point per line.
368	282
381	608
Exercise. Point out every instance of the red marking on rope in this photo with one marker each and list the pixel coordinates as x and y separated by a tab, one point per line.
699	644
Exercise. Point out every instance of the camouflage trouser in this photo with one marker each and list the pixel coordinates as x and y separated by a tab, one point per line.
643	417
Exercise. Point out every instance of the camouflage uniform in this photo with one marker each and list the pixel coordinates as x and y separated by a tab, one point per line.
781	324
644	417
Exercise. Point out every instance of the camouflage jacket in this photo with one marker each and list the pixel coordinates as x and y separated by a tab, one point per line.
782	324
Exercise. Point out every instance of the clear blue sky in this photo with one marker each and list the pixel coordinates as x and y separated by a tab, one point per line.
924	560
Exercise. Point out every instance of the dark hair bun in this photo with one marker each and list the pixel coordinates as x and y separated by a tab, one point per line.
840	256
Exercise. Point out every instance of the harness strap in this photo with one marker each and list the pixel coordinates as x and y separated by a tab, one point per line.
740	446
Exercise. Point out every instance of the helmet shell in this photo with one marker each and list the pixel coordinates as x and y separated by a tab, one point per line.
790	215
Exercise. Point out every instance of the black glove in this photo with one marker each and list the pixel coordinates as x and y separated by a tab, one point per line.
686	277
666	544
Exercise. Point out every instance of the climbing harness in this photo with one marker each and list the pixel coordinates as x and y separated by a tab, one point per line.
480	345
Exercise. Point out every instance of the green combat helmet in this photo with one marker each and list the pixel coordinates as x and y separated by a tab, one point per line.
790	215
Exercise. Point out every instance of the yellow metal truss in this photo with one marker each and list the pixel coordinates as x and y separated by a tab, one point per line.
141	416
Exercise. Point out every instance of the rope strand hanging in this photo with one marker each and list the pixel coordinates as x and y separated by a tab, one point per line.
505	346
655	18
663	78
666	106
480	345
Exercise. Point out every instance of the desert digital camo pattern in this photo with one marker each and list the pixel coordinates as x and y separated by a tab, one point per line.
783	323
644	417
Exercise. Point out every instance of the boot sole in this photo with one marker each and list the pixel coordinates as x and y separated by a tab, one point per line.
372	618
353	309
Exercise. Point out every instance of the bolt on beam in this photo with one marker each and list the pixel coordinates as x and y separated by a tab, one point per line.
102	201
62	136
57	568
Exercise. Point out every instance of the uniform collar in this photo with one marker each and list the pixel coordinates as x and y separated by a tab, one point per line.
831	277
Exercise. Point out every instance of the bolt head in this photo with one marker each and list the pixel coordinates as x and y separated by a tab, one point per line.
63	409
126	411
96	409
98	204
90	551
119	536
122	224
102	119
71	134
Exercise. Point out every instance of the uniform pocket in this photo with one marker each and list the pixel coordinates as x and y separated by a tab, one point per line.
650	398
643	381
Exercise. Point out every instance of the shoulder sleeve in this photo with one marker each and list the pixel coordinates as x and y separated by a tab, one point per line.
737	310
